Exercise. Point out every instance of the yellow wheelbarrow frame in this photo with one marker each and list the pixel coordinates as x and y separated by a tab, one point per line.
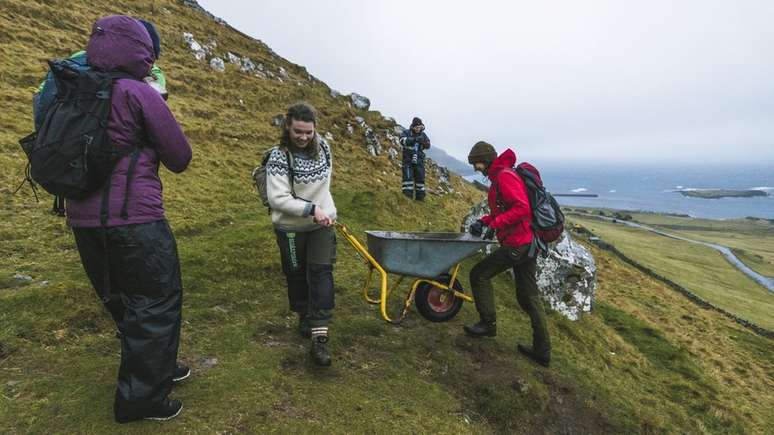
384	290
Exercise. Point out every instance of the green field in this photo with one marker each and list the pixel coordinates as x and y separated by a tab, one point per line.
701	269
646	360
751	240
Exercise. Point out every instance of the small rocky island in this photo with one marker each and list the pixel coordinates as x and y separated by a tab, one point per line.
722	193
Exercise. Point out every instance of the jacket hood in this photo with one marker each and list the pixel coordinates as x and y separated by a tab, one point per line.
120	43
505	160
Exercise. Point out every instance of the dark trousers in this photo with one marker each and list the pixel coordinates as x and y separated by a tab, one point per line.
414	179
136	271
307	262
527	293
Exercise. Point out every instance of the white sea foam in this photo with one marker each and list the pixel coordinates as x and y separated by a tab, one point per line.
763	188
612	191
579	190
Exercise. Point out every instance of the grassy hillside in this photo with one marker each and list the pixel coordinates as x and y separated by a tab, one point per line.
647	360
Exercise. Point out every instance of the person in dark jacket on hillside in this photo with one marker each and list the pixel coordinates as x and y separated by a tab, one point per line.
414	142
510	218
125	243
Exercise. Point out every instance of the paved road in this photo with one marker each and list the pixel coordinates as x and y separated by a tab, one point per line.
765	281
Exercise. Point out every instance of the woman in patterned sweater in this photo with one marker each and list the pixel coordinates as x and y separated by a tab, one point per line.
298	175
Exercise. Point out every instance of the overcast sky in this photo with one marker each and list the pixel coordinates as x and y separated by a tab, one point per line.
620	80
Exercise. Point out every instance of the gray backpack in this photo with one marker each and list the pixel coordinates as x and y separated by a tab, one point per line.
259	176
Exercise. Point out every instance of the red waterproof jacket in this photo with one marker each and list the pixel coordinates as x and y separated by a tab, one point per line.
510	218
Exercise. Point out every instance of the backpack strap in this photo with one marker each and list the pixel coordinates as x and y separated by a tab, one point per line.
129	173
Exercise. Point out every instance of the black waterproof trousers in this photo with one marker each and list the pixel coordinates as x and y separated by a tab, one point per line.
136	271
307	262
414	179
527	292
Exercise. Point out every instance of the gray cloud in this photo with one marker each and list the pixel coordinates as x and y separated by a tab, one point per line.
563	79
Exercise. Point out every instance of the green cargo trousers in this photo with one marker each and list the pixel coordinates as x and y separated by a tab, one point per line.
527	293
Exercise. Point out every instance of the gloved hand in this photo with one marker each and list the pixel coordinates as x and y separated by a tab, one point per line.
489	235
476	228
414	159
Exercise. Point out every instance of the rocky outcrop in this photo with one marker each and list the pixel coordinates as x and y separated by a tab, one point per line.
359	101
566	276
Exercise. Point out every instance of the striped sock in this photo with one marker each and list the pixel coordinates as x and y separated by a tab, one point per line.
319	331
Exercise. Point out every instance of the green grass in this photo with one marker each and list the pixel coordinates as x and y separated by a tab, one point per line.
647	361
701	269
751	240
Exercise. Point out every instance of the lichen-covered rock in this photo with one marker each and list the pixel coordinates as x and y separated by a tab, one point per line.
198	51
359	101
372	142
247	65
399	129
233	58
217	64
283	73
566	276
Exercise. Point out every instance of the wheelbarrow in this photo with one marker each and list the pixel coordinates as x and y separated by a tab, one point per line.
431	259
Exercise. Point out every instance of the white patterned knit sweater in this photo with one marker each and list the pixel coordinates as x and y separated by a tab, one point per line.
312	184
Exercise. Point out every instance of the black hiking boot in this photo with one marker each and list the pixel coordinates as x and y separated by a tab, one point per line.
181	372
319	351
481	329
167	410
304	330
542	358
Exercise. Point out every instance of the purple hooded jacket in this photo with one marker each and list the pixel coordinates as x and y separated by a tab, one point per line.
139	117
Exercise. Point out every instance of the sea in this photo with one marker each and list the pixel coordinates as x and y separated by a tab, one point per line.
655	187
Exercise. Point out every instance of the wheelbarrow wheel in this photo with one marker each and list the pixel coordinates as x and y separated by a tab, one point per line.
436	304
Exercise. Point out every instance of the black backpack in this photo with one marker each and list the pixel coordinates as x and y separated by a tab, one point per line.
71	155
547	218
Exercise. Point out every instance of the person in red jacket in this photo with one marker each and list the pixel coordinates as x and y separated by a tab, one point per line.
510	219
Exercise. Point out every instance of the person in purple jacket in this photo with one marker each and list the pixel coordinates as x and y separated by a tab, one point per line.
125	243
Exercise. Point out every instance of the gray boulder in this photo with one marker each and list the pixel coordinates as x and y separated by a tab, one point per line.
233	58
372	142
198	51
359	101
278	120
247	65
566	276
217	64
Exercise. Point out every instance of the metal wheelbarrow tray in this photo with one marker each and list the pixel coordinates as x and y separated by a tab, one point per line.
422	255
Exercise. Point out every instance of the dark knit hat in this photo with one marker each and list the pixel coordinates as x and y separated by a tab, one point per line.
482	152
416	121
154	35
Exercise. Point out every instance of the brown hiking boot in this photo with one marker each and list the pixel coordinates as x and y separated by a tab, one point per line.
481	329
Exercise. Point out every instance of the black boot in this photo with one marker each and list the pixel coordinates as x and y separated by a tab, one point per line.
319	351
180	373
166	410
481	329
542	358
304	330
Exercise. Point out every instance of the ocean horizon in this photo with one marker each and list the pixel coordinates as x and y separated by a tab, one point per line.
655	187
